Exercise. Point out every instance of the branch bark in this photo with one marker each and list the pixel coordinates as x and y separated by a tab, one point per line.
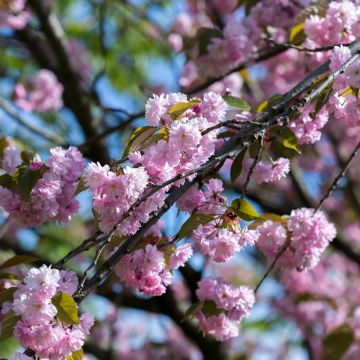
53	55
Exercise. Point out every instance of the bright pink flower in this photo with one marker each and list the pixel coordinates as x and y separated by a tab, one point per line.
339	57
145	270
181	255
39	328
310	236
271	171
236	302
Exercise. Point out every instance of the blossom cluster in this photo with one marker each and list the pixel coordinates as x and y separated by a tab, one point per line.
305	235
181	148
147	271
221	237
214	52
340	25
327	296
52	194
43	93
14	14
269	171
232	304
40	326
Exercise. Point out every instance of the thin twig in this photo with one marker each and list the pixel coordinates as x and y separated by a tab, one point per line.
301	48
272	266
252	167
86	245
94	139
248	134
99	251
338	177
262	55
6	106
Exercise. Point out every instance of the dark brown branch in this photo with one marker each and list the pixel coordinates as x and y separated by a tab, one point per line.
238	142
166	304
75	97
263	55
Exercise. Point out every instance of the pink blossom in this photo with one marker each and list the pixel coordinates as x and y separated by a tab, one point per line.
353	75
219	326
272	237
52	197
339	57
308	234
266	171
181	255
13	14
175	41
236	303
45	93
11	159
39	327
145	270
306	128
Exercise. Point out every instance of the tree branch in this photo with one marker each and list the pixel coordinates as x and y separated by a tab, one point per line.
75	96
11	111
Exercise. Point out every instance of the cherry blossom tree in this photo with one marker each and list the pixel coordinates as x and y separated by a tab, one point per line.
214	215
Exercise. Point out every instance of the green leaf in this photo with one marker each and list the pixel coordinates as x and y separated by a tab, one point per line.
17	260
178	109
76	355
297	34
323	99
286	137
267	216
290	140
7	325
26	181
9	276
355	91
236	166
279	150
248	5
3	145
337	342
319	9
168	251
254	148
236	103
209	308
267	104
274	217
244	210
192	223
27	156
262	106
137	138
204	36
80	187
66	307
7	295
305	297
193	309
6	180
